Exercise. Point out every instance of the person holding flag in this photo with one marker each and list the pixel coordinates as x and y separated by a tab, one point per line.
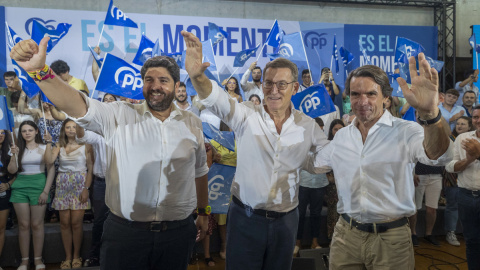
329	82
273	141
471	77
157	171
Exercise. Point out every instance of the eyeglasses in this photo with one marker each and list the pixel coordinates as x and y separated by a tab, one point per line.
281	85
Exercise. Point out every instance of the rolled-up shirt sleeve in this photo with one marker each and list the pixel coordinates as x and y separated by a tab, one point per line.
318	160
414	141
457	148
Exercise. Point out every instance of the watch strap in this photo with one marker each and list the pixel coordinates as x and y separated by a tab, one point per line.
430	121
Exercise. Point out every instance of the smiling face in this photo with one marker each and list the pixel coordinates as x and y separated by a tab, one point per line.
306	79
231	85
476	120
468	99
462	126
28	133
366	99
109	98
71	129
181	94
279	100
450	99
9	81
159	88
257	75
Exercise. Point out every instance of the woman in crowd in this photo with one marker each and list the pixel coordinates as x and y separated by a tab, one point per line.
233	89
332	197
72	194
389	106
108	98
6	182
311	192
464	124
30	190
255	99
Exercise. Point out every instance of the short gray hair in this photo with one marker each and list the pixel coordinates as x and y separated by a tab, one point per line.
162	61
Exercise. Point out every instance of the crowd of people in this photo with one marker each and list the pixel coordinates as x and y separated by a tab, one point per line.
371	162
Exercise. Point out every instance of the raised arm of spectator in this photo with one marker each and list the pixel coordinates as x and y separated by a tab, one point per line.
23	108
56	114
95	67
246	76
423	96
336	90
51	152
404	109
470	79
31	57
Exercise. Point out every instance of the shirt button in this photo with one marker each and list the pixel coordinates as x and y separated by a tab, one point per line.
363	156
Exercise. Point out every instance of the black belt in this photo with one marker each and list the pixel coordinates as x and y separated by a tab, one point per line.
375	227
261	212
154	226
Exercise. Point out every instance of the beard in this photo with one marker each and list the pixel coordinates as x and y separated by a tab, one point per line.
256	80
162	105
180	100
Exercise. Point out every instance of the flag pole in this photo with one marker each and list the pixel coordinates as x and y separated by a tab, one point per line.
265	41
306	57
13	141
233	73
101	33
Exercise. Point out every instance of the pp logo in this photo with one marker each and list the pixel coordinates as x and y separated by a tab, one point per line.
315	39
214	193
309	102
29	22
286	50
409	51
117	13
130	78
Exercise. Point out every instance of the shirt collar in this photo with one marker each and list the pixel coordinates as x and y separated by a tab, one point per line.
385	119
267	116
145	109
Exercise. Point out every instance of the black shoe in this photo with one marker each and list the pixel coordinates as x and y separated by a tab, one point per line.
432	240
415	240
91	262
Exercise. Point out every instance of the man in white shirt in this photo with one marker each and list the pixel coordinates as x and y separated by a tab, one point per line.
273	142
372	160
450	111
255	86
466	164
156	160
181	100
306	80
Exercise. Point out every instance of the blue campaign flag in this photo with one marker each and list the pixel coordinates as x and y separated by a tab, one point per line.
225	138
156	51
6	116
118	77
406	48
220	178
117	17
335	53
39	31
144	51
365	55
12	37
96	57
314	101
243	56
473	42
29	86
215	34
275	36
44	98
292	48
397	91
208	56
177	56
410	114
347	56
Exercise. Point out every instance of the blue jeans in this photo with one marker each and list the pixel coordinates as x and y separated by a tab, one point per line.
100	213
126	247
256	242
451	209
314	198
469	213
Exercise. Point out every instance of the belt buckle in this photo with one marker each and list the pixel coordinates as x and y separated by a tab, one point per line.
154	228
266	215
475	193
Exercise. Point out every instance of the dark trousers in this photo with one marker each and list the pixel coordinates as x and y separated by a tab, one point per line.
100	215
125	247
257	242
314	198
469	213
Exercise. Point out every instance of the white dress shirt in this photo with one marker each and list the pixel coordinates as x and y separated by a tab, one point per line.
268	163
98	145
470	177
250	88
328	119
374	179
190	108
152	165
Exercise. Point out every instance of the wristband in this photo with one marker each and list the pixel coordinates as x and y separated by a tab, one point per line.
42	74
204	211
431	121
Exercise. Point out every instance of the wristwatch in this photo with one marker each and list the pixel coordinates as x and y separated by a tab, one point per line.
204	211
431	121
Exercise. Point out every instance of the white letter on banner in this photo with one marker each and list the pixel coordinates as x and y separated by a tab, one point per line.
127	80
308	105
137	84
214	188
120	15
316	102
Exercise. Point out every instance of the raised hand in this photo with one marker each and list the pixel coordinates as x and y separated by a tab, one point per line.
252	65
193	57
423	92
29	55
